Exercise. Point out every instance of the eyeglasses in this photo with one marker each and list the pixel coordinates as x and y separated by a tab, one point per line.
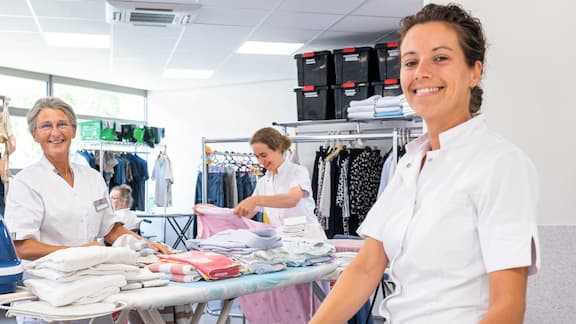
47	127
116	198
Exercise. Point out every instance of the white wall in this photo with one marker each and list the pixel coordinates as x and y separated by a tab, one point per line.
529	87
232	111
529	83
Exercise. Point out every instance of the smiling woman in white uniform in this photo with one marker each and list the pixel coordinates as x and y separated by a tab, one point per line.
55	204
457	223
285	191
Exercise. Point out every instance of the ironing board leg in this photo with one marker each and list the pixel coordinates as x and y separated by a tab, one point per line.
198	313
226	307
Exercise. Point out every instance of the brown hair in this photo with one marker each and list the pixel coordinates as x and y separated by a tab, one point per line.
470	35
272	138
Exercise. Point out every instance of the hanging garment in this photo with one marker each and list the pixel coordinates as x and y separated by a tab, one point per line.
163	176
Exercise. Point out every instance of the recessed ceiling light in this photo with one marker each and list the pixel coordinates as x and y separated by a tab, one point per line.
187	74
269	48
77	40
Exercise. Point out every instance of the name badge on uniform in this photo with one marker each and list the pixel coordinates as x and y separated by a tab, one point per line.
100	204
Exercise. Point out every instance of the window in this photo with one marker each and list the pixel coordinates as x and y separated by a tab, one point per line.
104	103
23	92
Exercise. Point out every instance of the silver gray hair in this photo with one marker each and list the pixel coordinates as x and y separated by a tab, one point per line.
125	194
49	103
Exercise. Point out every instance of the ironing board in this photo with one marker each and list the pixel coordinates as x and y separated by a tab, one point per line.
147	301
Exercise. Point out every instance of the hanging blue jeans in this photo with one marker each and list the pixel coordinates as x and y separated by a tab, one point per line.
215	189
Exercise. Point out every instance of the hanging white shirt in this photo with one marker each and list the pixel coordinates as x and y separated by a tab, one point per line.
469	211
289	175
163	176
41	205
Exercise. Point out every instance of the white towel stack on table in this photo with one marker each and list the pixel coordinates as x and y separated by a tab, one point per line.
83	275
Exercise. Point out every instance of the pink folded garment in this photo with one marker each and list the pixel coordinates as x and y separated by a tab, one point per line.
172	268
212	266
216	219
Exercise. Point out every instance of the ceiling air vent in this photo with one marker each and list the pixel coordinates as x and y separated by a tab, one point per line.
142	13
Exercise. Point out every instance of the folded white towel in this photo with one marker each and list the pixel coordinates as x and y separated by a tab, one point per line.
77	258
357	109
86	290
97	270
366	102
361	115
390	101
144	275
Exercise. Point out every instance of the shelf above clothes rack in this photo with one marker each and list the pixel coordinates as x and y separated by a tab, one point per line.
344	121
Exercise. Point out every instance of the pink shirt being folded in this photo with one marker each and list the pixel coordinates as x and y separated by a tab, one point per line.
217	219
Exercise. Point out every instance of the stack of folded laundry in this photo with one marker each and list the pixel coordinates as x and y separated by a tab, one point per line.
84	275
378	107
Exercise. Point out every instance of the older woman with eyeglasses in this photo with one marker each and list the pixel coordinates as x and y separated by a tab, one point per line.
55	204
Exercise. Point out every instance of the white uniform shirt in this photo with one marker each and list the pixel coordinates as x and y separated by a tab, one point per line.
128	218
289	175
471	210
41	205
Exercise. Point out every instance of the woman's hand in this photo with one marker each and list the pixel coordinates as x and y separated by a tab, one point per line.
246	207
159	247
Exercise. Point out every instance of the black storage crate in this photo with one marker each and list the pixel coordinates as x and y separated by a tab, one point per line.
347	92
355	64
388	60
387	88
315	103
315	68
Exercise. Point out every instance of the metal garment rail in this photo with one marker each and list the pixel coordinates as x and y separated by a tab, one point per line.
295	139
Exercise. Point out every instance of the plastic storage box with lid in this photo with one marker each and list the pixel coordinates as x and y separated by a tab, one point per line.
97	130
387	88
347	92
10	266
388	60
314	103
315	68
355	64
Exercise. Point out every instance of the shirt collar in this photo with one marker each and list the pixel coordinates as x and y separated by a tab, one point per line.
281	167
49	166
450	138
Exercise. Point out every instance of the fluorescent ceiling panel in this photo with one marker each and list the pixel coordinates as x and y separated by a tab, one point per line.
269	48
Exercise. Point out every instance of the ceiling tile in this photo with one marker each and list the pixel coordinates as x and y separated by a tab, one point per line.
226	38
59	25
14	7
286	35
244	4
21	41
80	9
309	21
363	24
320	6
229	17
389	8
18	24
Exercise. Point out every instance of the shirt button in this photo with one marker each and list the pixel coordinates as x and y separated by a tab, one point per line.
408	165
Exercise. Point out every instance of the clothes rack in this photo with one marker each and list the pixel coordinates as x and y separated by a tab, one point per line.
394	135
